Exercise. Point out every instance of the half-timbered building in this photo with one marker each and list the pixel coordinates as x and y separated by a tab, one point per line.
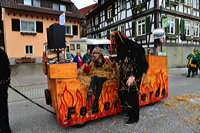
138	18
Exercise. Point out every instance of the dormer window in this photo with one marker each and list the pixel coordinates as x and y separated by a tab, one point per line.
27	2
55	6
36	3
46	4
62	7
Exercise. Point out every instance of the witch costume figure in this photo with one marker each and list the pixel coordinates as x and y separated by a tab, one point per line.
132	66
4	82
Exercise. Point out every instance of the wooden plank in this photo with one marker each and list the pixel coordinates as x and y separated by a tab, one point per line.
58	71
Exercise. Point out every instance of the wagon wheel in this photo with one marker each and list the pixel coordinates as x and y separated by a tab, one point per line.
47	96
80	124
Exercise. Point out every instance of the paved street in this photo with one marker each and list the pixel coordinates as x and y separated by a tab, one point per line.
172	115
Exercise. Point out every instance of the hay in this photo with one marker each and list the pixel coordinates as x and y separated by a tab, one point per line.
109	71
187	102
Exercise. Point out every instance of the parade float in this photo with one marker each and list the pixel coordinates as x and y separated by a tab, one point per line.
66	93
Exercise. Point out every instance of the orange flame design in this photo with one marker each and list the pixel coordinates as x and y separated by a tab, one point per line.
79	103
63	111
68	98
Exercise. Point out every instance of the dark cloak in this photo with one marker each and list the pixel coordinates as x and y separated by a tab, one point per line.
132	62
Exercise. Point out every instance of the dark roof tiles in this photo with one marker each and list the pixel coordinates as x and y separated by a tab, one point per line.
12	4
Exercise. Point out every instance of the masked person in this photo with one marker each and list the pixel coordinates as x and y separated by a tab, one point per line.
4	82
132	66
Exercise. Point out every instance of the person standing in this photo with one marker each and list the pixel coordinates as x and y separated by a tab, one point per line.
87	57
4	83
133	64
192	63
78	59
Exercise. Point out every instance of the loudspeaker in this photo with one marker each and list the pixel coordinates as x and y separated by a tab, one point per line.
56	36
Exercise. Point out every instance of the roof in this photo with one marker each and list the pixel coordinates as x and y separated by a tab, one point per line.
99	8
88	9
12	4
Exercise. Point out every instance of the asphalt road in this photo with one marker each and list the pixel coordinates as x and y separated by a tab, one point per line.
166	116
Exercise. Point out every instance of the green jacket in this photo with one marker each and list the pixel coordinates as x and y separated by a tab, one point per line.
87	57
193	59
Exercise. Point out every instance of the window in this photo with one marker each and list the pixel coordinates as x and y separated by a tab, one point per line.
36	3
47	4
123	4
122	29
55	6
196	29
187	2
45	47
68	29
196	4
187	28
109	12
96	20
171	25
139	1
141	27
27	2
62	7
27	26
78	46
29	49
72	47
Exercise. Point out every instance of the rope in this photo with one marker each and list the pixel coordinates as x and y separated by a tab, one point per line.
31	100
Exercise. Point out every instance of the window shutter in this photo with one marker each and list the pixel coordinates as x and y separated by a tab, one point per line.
108	34
113	9
15	25
106	14
39	27
20	1
99	18
134	2
177	26
133	28
148	25
94	21
182	27
75	30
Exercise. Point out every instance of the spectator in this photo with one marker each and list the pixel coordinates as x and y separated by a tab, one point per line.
192	63
87	57
78	59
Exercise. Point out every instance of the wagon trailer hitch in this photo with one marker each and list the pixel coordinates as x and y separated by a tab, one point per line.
31	100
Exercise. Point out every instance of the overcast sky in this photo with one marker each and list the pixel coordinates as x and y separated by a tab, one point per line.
83	3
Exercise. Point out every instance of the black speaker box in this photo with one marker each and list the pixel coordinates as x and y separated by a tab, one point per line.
56	36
